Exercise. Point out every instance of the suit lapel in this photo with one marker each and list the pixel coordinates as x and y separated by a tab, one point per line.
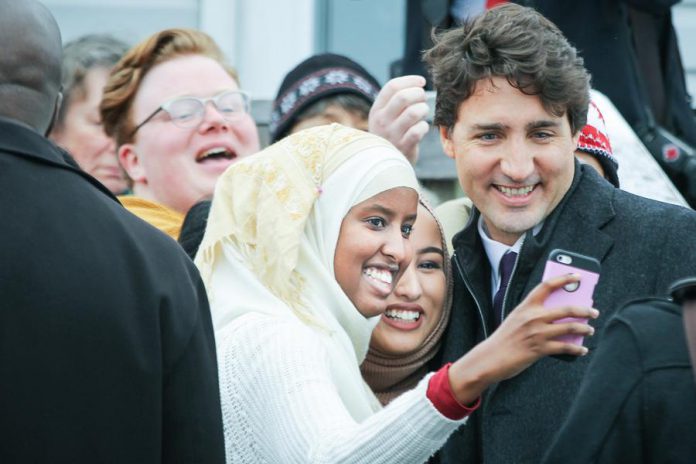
580	227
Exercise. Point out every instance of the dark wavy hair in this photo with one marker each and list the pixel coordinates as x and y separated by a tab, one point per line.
518	44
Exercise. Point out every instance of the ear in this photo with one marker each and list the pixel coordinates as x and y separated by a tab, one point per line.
54	117
445	139
131	163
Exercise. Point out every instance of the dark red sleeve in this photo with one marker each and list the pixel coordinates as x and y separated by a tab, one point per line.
440	394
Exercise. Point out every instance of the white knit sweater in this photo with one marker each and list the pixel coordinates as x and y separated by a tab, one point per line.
279	404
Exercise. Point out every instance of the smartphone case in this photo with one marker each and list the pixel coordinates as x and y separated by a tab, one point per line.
588	268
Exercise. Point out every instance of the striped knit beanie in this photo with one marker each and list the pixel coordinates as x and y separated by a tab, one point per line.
315	78
595	141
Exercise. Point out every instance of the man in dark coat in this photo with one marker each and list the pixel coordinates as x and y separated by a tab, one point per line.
106	347
512	98
637	403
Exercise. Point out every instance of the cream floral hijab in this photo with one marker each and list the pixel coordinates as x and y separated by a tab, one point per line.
271	237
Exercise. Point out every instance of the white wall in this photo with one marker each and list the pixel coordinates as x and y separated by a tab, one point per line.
263	39
129	20
684	19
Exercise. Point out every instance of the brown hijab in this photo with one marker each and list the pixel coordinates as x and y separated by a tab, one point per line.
388	375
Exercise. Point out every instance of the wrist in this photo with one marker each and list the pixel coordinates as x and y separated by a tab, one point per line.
441	396
469	376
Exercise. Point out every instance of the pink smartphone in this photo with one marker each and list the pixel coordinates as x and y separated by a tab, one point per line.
562	262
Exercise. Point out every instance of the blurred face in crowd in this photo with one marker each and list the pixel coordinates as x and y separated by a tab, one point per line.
178	166
331	114
374	249
514	159
416	305
82	134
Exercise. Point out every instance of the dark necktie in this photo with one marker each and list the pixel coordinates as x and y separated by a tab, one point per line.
507	262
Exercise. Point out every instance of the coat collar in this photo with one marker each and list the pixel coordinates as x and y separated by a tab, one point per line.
21	140
24	142
577	223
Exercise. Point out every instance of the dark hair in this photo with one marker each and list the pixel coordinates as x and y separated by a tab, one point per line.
81	56
350	102
193	227
315	79
516	43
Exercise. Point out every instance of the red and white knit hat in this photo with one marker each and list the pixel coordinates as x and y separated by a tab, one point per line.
595	141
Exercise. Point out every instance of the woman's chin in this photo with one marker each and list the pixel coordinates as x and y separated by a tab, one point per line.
394	342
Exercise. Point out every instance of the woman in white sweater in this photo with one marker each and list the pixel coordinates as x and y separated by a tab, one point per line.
304	243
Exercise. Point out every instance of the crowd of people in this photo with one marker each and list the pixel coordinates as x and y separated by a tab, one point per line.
174	293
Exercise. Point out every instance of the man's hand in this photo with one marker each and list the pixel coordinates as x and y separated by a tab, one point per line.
398	114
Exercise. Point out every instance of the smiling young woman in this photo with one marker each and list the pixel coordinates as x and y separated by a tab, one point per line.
370	247
409	331
304	244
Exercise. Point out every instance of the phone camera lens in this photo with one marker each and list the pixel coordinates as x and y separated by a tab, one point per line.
564	259
571	287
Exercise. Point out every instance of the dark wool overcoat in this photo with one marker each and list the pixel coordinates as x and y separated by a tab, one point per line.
106	345
637	403
643	246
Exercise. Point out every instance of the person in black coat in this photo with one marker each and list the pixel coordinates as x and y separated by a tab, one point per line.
630	48
637	403
512	98
106	345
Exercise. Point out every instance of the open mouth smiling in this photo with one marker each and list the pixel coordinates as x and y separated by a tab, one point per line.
216	153
381	277
515	192
403	315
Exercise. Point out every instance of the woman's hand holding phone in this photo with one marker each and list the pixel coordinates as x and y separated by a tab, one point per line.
530	332
562	262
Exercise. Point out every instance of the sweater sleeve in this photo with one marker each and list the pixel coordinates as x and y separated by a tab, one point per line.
280	405
441	395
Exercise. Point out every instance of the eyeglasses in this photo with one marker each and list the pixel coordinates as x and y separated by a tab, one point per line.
187	112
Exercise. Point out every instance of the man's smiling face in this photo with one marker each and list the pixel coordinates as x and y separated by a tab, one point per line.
514	159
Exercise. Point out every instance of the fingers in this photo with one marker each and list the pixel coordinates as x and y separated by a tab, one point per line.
398	124
411	99
554	347
542	291
580	312
396	85
569	328
542	339
399	114
411	140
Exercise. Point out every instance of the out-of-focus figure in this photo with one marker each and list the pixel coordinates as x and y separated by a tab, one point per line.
78	128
